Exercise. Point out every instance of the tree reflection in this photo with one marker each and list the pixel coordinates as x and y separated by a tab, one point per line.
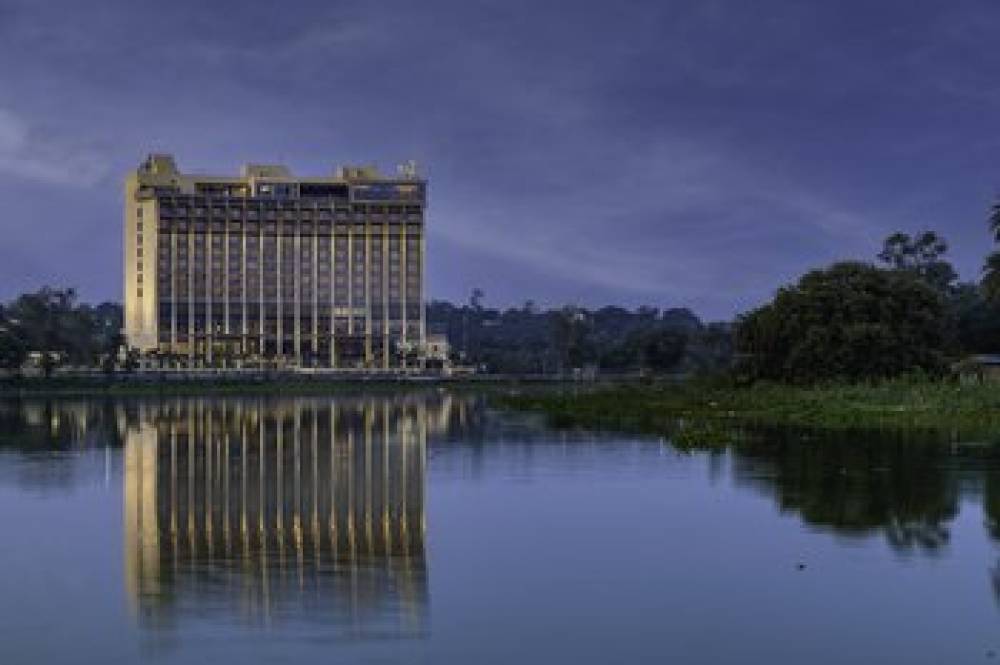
857	483
47	425
38	438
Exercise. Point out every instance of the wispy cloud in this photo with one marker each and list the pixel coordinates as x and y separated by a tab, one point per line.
675	222
25	152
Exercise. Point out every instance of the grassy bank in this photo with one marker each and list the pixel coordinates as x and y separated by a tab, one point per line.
904	404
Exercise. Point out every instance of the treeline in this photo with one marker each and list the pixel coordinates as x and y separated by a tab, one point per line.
54	324
529	340
58	329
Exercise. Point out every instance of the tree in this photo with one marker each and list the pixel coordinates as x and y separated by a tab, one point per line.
657	349
922	255
13	351
976	319
990	283
50	321
570	328
851	321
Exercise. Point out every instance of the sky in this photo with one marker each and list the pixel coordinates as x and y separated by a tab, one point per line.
672	153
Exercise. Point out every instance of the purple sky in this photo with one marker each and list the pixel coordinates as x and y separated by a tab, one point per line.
674	153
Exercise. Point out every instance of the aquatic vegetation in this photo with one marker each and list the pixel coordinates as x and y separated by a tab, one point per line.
914	403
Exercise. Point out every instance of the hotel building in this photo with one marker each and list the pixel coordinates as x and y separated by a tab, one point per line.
316	272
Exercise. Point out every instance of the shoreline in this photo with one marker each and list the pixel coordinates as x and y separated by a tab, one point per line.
697	408
268	382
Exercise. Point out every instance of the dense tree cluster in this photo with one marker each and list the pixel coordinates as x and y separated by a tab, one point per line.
851	321
973	310
52	321
530	340
858	321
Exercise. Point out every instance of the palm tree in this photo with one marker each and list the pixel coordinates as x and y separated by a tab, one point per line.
995	221
990	283
991	269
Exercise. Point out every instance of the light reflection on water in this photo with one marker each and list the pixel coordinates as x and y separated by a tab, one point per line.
293	510
431	521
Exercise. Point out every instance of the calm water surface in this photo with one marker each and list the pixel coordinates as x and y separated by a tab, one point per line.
428	528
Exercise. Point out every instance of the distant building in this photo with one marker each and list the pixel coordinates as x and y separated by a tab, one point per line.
979	369
438	351
319	271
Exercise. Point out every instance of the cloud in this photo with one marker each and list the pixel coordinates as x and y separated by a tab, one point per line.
673	223
26	152
665	214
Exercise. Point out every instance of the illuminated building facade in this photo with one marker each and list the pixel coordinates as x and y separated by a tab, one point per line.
267	267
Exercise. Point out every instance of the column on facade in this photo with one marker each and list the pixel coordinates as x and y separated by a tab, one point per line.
315	288
368	291
208	331
173	289
279	242
261	302
333	291
190	291
385	293
401	285
244	301
226	295
350	278
297	289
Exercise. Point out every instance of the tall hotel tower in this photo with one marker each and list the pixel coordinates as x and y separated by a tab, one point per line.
315	272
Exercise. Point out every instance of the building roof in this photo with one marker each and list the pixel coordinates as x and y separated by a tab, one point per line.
985	359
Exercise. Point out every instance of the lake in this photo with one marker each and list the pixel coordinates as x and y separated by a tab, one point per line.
428	527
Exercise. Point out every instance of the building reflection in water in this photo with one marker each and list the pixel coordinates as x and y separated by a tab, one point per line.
290	510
